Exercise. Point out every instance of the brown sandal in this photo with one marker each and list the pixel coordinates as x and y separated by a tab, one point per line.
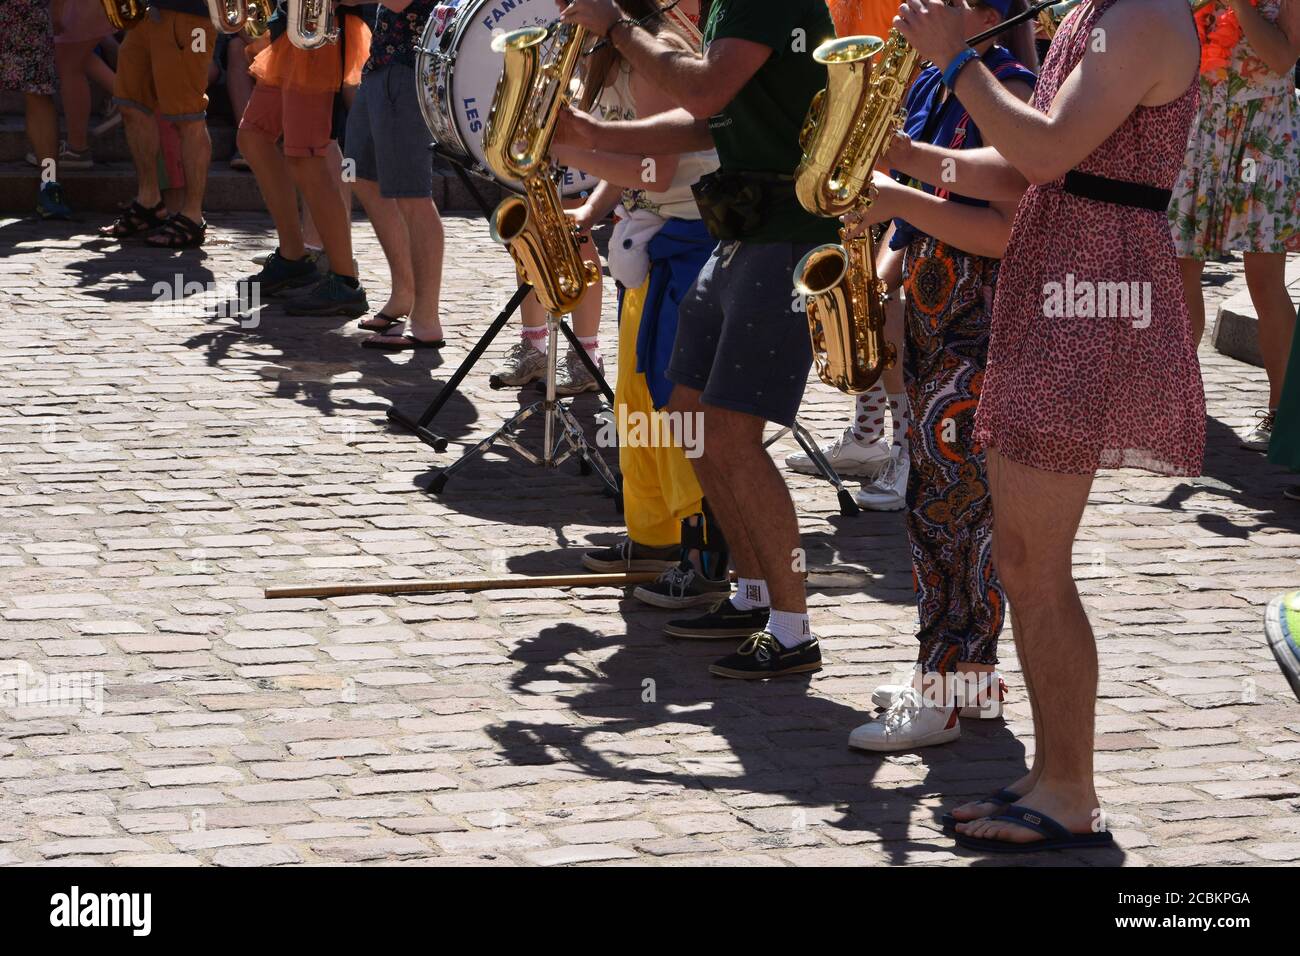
136	220
178	232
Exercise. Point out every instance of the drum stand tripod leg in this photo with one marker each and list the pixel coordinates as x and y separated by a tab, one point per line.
848	507
420	426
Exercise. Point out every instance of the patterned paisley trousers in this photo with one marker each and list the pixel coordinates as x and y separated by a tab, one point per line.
960	601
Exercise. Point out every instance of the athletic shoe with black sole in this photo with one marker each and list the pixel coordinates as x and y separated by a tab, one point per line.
280	274
723	621
332	295
1282	625
682	587
762	657
627	555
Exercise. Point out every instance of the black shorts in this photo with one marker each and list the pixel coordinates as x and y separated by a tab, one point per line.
742	333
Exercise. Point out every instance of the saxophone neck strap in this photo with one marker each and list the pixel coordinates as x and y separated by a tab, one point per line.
1117	191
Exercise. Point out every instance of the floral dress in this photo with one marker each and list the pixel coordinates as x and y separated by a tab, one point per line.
26	47
1239	188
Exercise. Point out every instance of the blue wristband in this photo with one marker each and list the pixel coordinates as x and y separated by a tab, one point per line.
954	68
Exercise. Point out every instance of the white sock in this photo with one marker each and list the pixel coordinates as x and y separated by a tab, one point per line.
900	412
789	628
591	343
536	337
750	593
869	415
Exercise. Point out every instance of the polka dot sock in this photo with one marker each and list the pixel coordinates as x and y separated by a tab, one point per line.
869	416
900	414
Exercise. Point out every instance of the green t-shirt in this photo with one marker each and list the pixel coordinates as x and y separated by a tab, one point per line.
758	131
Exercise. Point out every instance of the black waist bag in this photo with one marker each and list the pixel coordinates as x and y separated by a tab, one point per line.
736	205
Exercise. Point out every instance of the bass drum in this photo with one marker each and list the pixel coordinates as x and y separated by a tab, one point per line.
456	75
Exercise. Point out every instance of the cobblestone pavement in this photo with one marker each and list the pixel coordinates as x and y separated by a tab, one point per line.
161	467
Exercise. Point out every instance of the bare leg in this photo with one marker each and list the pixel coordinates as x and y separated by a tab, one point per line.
142	137
276	183
686	401
1266	279
760	505
42	127
425	240
319	188
1036	518
586	317
391	232
239	85
1190	270
70	59
196	155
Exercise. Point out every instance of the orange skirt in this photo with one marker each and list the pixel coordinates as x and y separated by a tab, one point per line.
321	70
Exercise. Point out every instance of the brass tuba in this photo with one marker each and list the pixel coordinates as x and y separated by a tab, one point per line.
231	16
516	142
124	14
848	127
311	23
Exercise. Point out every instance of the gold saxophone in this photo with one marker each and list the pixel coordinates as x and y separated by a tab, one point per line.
231	16
311	23
124	14
542	240
848	127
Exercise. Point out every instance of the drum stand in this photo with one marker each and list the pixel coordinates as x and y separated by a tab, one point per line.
557	414
848	507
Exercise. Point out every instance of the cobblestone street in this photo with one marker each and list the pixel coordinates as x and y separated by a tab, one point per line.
161	466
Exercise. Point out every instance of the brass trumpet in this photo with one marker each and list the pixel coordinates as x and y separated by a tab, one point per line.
124	14
848	127
542	240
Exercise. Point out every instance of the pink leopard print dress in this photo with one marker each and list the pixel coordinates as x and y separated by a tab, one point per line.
1073	387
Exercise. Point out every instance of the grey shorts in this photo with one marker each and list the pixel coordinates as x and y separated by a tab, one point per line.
386	136
742	335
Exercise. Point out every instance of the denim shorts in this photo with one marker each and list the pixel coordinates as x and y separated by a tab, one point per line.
742	333
386	136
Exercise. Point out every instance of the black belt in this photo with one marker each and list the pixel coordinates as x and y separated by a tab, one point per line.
1117	191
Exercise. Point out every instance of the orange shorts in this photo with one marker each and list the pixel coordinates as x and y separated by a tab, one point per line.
303	119
163	65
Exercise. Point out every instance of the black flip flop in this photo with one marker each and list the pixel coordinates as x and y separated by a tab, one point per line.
1001	797
1055	836
388	320
407	343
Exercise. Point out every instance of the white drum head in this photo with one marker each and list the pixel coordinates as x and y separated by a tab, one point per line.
472	75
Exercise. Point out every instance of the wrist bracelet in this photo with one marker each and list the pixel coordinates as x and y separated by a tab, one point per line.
955	67
621	22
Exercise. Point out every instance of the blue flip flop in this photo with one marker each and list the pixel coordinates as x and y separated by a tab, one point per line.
1055	836
998	796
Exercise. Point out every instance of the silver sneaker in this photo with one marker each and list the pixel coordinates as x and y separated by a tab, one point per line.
523	364
846	456
1257	438
572	377
889	491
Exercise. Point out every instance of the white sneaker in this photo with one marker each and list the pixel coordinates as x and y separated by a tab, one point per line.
989	693
888	492
906	725
846	456
1257	438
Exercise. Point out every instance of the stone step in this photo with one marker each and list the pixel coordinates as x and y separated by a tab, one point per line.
111	147
1236	327
110	184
